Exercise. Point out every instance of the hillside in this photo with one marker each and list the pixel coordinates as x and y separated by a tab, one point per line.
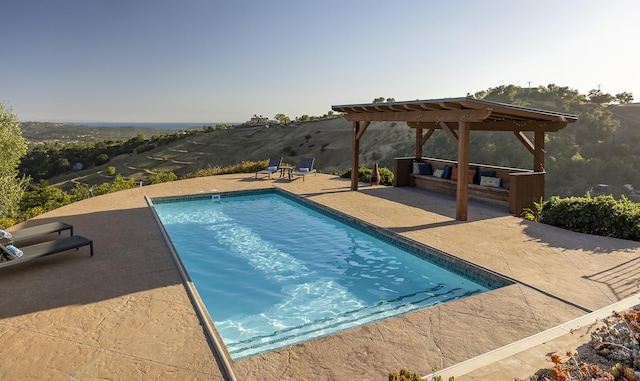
579	156
39	132
329	141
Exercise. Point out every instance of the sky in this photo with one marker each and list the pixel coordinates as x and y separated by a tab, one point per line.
225	61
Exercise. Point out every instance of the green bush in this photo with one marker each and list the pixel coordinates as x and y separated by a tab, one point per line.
364	173
162	177
601	215
111	171
244	167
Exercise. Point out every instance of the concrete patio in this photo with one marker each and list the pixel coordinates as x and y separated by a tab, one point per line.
125	314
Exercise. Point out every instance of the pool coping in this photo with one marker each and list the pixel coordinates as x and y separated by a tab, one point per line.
465	367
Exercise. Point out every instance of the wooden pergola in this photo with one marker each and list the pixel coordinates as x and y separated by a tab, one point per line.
457	117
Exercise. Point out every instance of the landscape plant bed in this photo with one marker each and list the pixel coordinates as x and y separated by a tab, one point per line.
612	354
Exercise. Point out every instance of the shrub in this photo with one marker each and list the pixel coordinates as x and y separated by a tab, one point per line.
244	167
364	173
111	171
145	148
601	215
162	177
101	159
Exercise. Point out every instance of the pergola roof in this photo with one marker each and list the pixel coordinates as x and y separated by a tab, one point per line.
483	115
456	117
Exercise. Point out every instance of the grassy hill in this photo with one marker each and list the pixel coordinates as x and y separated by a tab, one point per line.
329	141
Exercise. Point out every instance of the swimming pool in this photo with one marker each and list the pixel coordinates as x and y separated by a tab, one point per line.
272	272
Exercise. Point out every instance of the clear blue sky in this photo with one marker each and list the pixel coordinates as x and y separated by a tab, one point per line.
224	61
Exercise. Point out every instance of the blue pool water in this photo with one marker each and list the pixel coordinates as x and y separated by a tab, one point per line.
272	272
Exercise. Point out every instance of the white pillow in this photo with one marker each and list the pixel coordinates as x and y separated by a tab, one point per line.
488	181
14	251
4	234
303	169
272	169
416	168
438	173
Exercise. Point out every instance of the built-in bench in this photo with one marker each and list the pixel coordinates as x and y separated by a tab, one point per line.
515	189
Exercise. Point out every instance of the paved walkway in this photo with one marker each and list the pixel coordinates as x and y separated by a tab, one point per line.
125	313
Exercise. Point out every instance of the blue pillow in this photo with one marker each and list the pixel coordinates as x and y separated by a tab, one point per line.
488	173
425	169
447	172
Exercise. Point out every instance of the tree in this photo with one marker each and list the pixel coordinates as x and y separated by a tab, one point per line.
379	100
282	119
624	97
600	98
12	148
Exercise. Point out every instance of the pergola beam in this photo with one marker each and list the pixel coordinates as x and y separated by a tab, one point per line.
450	132
511	125
525	141
420	116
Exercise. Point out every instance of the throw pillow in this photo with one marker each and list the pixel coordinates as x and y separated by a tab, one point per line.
454	175
488	181
447	172
303	169
487	173
14	251
472	175
438	173
425	169
416	167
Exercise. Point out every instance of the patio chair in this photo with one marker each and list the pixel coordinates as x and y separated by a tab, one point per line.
37	231
305	168
272	167
13	256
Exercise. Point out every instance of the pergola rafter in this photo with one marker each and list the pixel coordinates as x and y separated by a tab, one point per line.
457	117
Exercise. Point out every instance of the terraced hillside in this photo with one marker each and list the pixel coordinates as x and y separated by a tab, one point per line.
329	141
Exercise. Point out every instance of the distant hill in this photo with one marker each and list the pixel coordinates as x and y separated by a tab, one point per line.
328	141
628	115
38	132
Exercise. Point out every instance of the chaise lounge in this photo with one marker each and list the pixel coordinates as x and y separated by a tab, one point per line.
10	257
305	168
272	167
39	230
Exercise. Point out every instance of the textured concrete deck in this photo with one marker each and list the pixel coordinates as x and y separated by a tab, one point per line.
125	313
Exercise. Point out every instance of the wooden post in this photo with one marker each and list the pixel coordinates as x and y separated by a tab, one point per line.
538	163
355	153
418	143
538	154
462	186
